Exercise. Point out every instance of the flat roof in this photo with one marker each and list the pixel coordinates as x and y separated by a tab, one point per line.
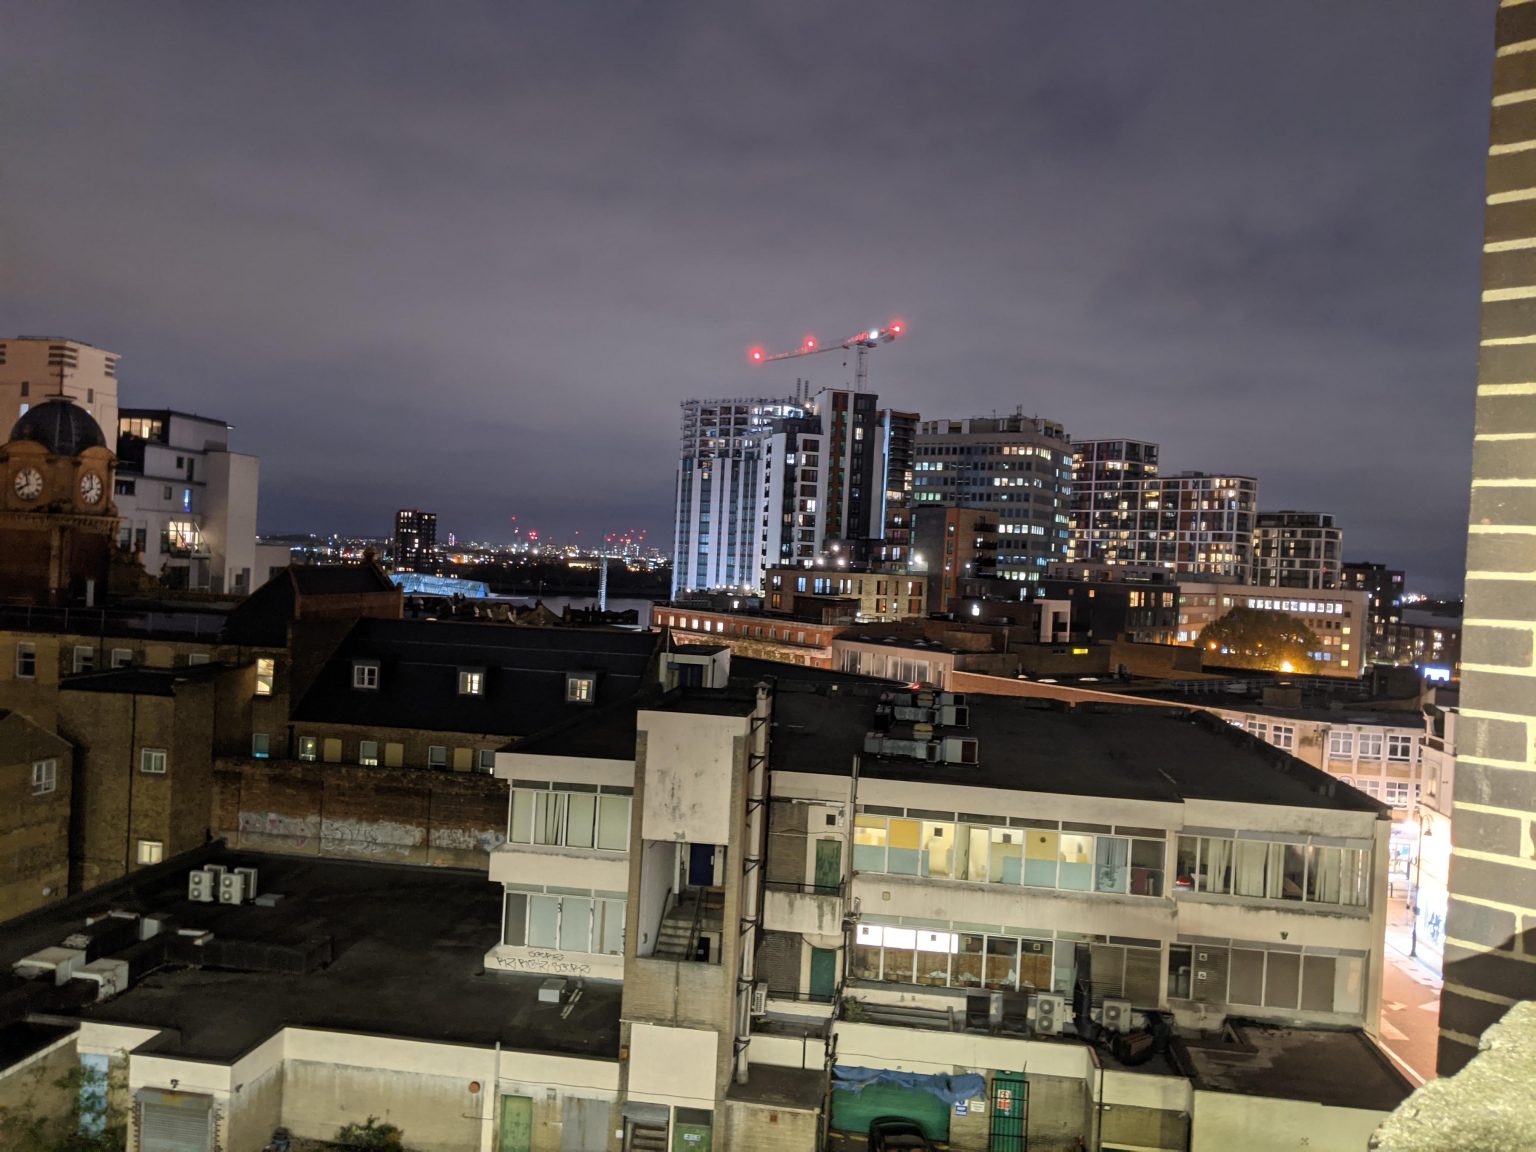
1338	1068
408	948
1033	745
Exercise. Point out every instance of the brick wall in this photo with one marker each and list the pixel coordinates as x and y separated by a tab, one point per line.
400	815
1490	952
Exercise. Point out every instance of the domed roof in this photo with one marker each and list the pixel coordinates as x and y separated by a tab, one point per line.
61	426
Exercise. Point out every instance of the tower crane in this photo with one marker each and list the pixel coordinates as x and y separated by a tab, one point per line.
861	342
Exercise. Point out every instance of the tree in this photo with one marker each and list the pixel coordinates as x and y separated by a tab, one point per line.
371	1136
1266	641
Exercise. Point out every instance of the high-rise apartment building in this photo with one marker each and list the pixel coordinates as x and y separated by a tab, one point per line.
1297	550
723	493
415	540
1490	945
188	504
1106	497
1384	587
33	368
1019	468
1197	524
764	482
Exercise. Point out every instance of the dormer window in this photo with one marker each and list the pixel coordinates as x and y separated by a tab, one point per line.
580	687
365	674
471	681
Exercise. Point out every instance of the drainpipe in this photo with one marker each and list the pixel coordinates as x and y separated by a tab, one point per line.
752	877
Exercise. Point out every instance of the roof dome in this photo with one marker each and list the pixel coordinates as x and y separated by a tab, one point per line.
61	426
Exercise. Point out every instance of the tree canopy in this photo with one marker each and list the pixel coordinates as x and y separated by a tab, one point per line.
1266	641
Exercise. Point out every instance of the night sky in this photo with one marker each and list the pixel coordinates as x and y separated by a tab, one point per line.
470	257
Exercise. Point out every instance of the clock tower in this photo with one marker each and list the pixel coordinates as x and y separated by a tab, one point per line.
57	519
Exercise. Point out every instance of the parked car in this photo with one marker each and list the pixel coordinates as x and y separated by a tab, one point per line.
896	1134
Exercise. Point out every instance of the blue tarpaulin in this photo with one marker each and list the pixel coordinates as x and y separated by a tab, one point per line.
950	1089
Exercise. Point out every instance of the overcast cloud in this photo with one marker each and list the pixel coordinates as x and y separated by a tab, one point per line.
470	257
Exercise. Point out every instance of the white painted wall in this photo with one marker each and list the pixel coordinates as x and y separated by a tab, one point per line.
562	867
689	766
673	1065
1223	1122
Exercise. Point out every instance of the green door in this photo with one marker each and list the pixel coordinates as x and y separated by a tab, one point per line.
853	1111
1010	1111
823	974
516	1124
829	865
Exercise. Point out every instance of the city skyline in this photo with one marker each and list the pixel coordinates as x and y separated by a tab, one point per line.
1247	259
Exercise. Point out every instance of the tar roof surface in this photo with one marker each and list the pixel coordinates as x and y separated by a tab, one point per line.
408	952
524	690
1337	1068
1138	753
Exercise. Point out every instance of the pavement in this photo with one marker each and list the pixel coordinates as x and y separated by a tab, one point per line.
1410	999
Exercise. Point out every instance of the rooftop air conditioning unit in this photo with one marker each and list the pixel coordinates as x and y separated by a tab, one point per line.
215	867
1115	1014
1050	1013
202	886
231	888
250	881
759	999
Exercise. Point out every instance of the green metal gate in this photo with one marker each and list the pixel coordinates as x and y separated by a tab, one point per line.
1010	1112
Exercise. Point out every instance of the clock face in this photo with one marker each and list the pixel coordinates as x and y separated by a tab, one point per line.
29	483
90	488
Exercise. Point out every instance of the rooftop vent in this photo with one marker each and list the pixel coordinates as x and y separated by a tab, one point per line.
921	746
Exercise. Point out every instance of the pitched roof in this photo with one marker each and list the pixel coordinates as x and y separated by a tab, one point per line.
524	686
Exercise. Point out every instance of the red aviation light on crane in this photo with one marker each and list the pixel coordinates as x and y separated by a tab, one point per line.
810	343
896	329
756	355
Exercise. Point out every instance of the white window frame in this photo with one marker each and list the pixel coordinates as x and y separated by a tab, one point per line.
45	776
368	753
580	687
365	675
437	756
83	659
1341	745
1396	793
26	652
194	658
1370	745
150	852
122	657
155	761
487	759
1399	747
1283	736
471	681
266	674
309	748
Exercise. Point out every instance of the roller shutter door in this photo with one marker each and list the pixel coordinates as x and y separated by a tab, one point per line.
174	1122
852	1111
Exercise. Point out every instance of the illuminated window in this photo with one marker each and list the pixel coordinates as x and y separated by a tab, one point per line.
266	673
260	745
580	687
471	682
368	752
309	748
151	851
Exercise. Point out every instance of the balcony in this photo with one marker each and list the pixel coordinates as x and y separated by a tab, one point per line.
810	909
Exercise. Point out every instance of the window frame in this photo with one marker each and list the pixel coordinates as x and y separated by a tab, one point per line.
471	681
150	848
45	776
26	654
266	675
437	756
365	675
154	761
82	659
581	687
368	753
309	749
261	746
